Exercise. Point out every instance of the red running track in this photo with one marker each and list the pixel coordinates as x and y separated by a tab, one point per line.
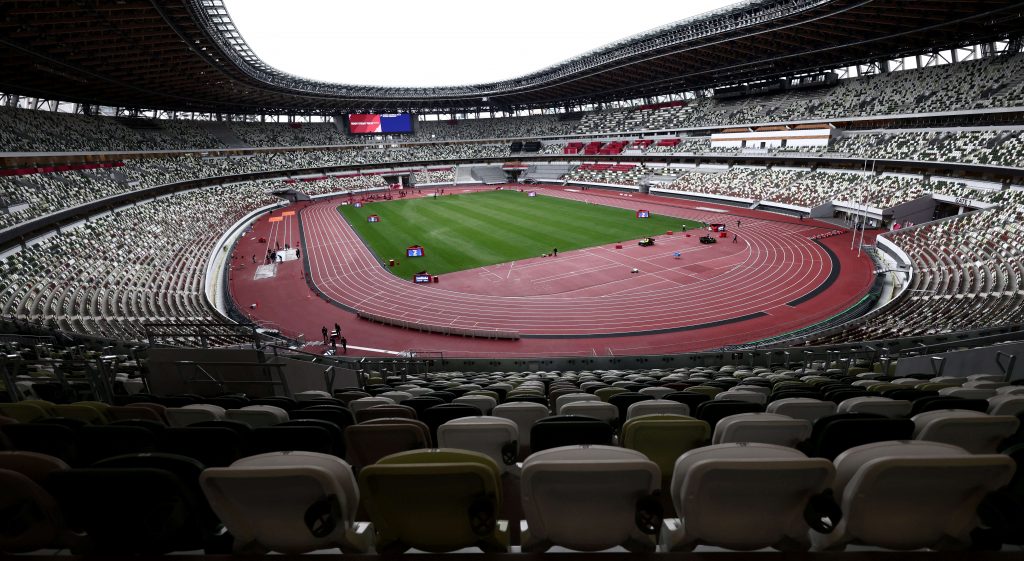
582	302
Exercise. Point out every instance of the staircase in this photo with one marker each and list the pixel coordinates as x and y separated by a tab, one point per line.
222	132
489	175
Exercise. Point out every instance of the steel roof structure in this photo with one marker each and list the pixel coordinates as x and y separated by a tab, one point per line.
186	55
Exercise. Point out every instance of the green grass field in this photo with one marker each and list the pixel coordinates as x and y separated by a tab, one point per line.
471	230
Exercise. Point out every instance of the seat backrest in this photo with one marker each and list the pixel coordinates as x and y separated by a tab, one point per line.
1006	404
484	403
292	502
978	433
573	397
596	409
919	502
524	415
340	416
108	503
935	403
564	430
385	412
714	410
875	404
440	414
434	500
691	399
98	442
91	415
742	395
368	442
658	392
258	415
422	403
366	402
622	401
31	517
746	496
190	414
802	408
663	438
836	433
52	439
604	482
767	428
148	412
494	436
23	412
211	446
281	438
657	407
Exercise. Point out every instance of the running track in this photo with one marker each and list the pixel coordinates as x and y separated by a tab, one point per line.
585	301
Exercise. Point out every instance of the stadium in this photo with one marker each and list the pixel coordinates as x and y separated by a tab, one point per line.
747	282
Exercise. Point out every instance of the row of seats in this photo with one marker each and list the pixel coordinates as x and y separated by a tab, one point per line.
743	496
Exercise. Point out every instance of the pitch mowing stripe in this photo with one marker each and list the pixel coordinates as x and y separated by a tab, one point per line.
474	230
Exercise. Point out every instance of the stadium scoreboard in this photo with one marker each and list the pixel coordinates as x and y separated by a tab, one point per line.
384	123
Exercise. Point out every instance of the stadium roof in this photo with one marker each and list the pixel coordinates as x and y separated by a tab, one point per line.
187	55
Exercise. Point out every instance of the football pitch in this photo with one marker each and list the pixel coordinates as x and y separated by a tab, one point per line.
472	230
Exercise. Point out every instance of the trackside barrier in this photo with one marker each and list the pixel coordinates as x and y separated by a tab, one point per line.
442	329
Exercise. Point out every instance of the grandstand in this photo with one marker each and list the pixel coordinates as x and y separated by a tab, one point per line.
202	355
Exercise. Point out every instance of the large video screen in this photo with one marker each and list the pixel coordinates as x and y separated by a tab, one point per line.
371	123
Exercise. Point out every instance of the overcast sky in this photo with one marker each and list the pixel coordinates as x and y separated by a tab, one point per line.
439	42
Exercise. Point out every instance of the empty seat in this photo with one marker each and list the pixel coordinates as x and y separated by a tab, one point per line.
190	414
1006	404
741	395
211	446
52	439
98	442
148	411
258	415
385	412
572	397
136	504
396	396
610	487
745	497
596	409
935	403
714	410
877	405
978	433
372	440
657	392
365	402
494	436
802	408
524	415
911	495
663	438
766	428
434	500
309	437
484	403
565	430
288	502
340	416
657	407
441	414
29	515
833	434
968	393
